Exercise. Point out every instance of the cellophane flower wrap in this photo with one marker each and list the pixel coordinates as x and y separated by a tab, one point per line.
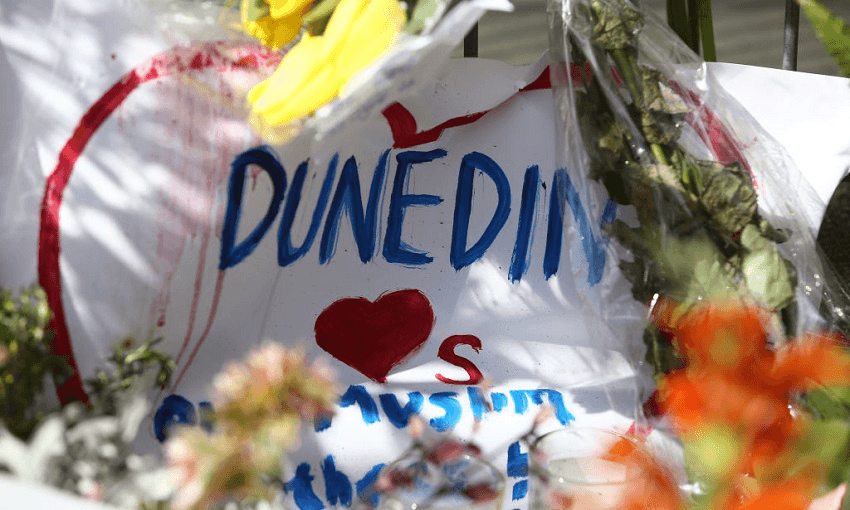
708	206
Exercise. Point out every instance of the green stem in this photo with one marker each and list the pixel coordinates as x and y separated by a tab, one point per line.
624	65
678	19
658	152
709	52
693	24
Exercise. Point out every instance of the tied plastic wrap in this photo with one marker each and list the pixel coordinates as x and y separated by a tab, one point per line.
711	206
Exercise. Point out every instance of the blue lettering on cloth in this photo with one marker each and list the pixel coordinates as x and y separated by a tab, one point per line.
563	192
400	416
339	490
451	410
174	410
460	256
396	250
286	253
528	208
556	400
263	157
364	220
448	404
518	468
301	487
358	395
337	485
364	485
347	197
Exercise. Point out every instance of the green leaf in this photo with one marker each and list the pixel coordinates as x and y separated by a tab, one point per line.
827	442
256	9
421	13
764	269
321	11
833	32
828	403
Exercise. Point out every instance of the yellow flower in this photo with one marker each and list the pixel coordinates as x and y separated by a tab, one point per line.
280	26
317	68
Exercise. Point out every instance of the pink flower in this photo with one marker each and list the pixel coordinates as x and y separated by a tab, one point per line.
185	466
231	384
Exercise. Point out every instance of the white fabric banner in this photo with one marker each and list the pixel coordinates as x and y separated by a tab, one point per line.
421	250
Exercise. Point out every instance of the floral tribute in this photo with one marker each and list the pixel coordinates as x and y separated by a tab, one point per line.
736	405
750	440
327	43
260	405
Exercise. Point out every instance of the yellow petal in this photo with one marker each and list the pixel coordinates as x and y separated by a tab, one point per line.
296	68
272	32
285	8
308	99
342	20
372	35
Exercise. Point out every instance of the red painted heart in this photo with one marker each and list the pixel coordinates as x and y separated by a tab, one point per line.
372	338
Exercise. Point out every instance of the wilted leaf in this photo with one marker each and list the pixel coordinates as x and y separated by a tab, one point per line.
615	27
730	199
765	271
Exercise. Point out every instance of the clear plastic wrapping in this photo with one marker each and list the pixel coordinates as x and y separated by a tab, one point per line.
710	206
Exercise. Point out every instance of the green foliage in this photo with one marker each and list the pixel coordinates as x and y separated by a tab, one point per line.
256	9
131	365
833	32
419	14
25	359
692	22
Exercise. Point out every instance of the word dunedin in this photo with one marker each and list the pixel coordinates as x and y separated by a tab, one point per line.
346	197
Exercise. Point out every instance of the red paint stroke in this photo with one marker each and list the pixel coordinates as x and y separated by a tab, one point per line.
219	286
406	133
712	131
373	338
196	295
447	353
218	56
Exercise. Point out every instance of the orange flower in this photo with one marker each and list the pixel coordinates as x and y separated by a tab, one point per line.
655	488
793	494
815	359
725	334
735	380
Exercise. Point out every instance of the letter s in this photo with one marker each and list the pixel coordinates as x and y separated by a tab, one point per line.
446	353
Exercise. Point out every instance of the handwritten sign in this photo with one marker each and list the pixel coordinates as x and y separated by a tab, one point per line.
419	256
421	251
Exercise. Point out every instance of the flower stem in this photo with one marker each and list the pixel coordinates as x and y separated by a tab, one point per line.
709	52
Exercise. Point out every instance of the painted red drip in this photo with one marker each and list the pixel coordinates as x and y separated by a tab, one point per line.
372	338
219	285
196	294
49	249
